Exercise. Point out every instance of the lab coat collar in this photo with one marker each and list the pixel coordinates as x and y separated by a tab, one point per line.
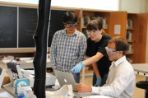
119	61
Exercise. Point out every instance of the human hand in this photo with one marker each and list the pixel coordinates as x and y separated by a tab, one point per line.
98	81
83	88
77	68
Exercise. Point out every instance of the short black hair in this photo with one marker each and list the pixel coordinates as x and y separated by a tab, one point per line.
95	24
70	17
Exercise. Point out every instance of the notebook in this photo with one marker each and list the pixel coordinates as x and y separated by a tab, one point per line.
65	78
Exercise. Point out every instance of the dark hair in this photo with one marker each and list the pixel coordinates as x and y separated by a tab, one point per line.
69	17
95	24
121	44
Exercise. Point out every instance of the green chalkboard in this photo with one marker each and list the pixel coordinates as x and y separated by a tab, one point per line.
8	27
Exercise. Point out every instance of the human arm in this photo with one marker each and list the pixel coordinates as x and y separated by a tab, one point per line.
82	48
97	74
77	68
53	51
95	69
122	82
92	59
94	56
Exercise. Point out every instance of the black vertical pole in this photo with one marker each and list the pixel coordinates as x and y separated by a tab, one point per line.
41	39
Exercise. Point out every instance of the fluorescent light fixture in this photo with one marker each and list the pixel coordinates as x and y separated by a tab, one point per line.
90	4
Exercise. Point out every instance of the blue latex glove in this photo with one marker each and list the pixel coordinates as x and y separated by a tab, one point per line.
77	68
98	81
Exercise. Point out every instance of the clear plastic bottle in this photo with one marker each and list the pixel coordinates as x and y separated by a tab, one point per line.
20	95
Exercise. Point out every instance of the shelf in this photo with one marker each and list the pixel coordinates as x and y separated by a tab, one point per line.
18	52
129	53
136	30
130	29
129	41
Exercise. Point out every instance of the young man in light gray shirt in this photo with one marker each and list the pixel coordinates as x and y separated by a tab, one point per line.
68	46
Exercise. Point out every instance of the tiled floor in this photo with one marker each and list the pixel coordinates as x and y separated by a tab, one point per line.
138	93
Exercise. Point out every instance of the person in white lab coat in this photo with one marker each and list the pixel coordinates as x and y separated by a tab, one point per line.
121	78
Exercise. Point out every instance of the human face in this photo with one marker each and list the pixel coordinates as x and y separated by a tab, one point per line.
111	51
94	35
70	28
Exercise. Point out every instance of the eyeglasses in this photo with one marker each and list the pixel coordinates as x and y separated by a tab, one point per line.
108	50
69	25
91	31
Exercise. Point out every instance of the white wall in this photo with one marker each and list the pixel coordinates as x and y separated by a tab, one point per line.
133	6
146	4
89	4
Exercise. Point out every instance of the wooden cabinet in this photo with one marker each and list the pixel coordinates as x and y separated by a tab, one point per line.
142	38
117	24
130	26
113	21
136	37
132	30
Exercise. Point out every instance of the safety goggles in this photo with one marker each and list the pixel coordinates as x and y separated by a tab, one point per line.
91	31
69	25
109	50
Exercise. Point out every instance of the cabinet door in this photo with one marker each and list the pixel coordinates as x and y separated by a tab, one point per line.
139	33
117	24
141	38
